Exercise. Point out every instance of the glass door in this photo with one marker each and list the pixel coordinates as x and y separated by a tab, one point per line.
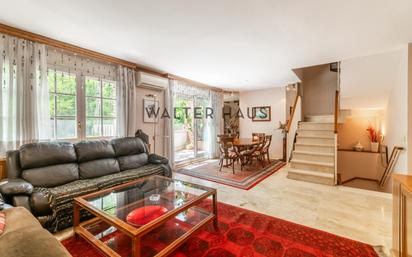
183	124
201	144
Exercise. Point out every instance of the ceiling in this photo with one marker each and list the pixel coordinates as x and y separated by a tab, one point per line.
366	82
233	44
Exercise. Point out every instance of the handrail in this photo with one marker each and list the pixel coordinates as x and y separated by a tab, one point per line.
391	164
292	114
336	111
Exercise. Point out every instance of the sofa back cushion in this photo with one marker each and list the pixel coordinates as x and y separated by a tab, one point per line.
128	146
93	150
96	158
131	152
35	155
51	176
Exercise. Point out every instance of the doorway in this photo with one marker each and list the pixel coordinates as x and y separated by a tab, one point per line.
190	140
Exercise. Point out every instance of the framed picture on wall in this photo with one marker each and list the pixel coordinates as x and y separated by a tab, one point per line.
262	113
150	108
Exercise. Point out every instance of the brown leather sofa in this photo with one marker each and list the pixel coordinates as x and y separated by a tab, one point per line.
46	177
24	236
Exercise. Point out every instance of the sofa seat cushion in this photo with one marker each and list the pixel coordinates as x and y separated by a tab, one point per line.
24	236
66	193
128	175
2	222
135	161
50	176
98	168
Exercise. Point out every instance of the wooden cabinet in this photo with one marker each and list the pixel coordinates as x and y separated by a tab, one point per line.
3	171
402	216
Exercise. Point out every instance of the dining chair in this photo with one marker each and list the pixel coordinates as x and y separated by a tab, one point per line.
258	136
247	156
228	153
265	149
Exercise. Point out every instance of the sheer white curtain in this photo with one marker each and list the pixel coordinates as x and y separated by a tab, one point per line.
126	101
24	100
216	124
169	132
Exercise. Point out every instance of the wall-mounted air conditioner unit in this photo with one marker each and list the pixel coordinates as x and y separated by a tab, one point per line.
147	80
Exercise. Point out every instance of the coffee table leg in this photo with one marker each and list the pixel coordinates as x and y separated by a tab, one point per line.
136	247
215	221
76	218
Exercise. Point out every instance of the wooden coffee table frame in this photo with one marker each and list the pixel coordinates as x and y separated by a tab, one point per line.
133	232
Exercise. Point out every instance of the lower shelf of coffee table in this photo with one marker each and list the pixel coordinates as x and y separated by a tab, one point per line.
158	242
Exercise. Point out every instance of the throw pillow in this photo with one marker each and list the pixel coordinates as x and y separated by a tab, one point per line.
2	222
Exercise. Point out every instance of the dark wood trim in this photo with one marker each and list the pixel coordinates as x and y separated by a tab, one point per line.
292	113
3	170
12	31
351	179
351	150
336	111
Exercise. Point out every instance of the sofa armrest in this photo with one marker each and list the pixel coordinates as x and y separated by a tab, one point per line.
15	186
157	159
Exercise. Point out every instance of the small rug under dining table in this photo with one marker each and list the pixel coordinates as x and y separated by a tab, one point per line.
241	233
245	179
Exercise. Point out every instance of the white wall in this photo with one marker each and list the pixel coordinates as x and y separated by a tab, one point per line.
148	127
396	116
274	97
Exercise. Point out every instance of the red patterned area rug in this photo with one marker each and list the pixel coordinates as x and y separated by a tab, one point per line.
241	233
245	179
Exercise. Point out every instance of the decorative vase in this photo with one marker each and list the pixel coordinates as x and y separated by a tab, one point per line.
374	147
358	147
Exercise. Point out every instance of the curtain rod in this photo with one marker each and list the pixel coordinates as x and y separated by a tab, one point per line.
12	31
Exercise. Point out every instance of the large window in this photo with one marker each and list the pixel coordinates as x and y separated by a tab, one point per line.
81	107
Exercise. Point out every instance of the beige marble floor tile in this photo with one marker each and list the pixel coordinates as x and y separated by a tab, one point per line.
353	213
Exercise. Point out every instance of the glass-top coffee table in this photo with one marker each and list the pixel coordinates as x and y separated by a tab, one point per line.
154	211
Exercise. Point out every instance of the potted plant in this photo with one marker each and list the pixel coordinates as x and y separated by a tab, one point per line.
375	137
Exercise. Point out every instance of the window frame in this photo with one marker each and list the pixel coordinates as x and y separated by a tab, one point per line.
101	98
80	96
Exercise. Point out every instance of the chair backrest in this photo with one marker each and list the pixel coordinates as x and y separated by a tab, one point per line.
268	141
221	136
225	144
258	136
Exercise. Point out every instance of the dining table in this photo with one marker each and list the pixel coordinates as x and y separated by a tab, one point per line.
245	142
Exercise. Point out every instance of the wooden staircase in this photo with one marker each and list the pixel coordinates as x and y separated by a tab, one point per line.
313	156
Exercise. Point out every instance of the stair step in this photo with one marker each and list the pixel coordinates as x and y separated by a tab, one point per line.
326	164
315	133
320	136
315	145
314	153
316	126
320	118
314	156
311	176
315	140
315	148
326	167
